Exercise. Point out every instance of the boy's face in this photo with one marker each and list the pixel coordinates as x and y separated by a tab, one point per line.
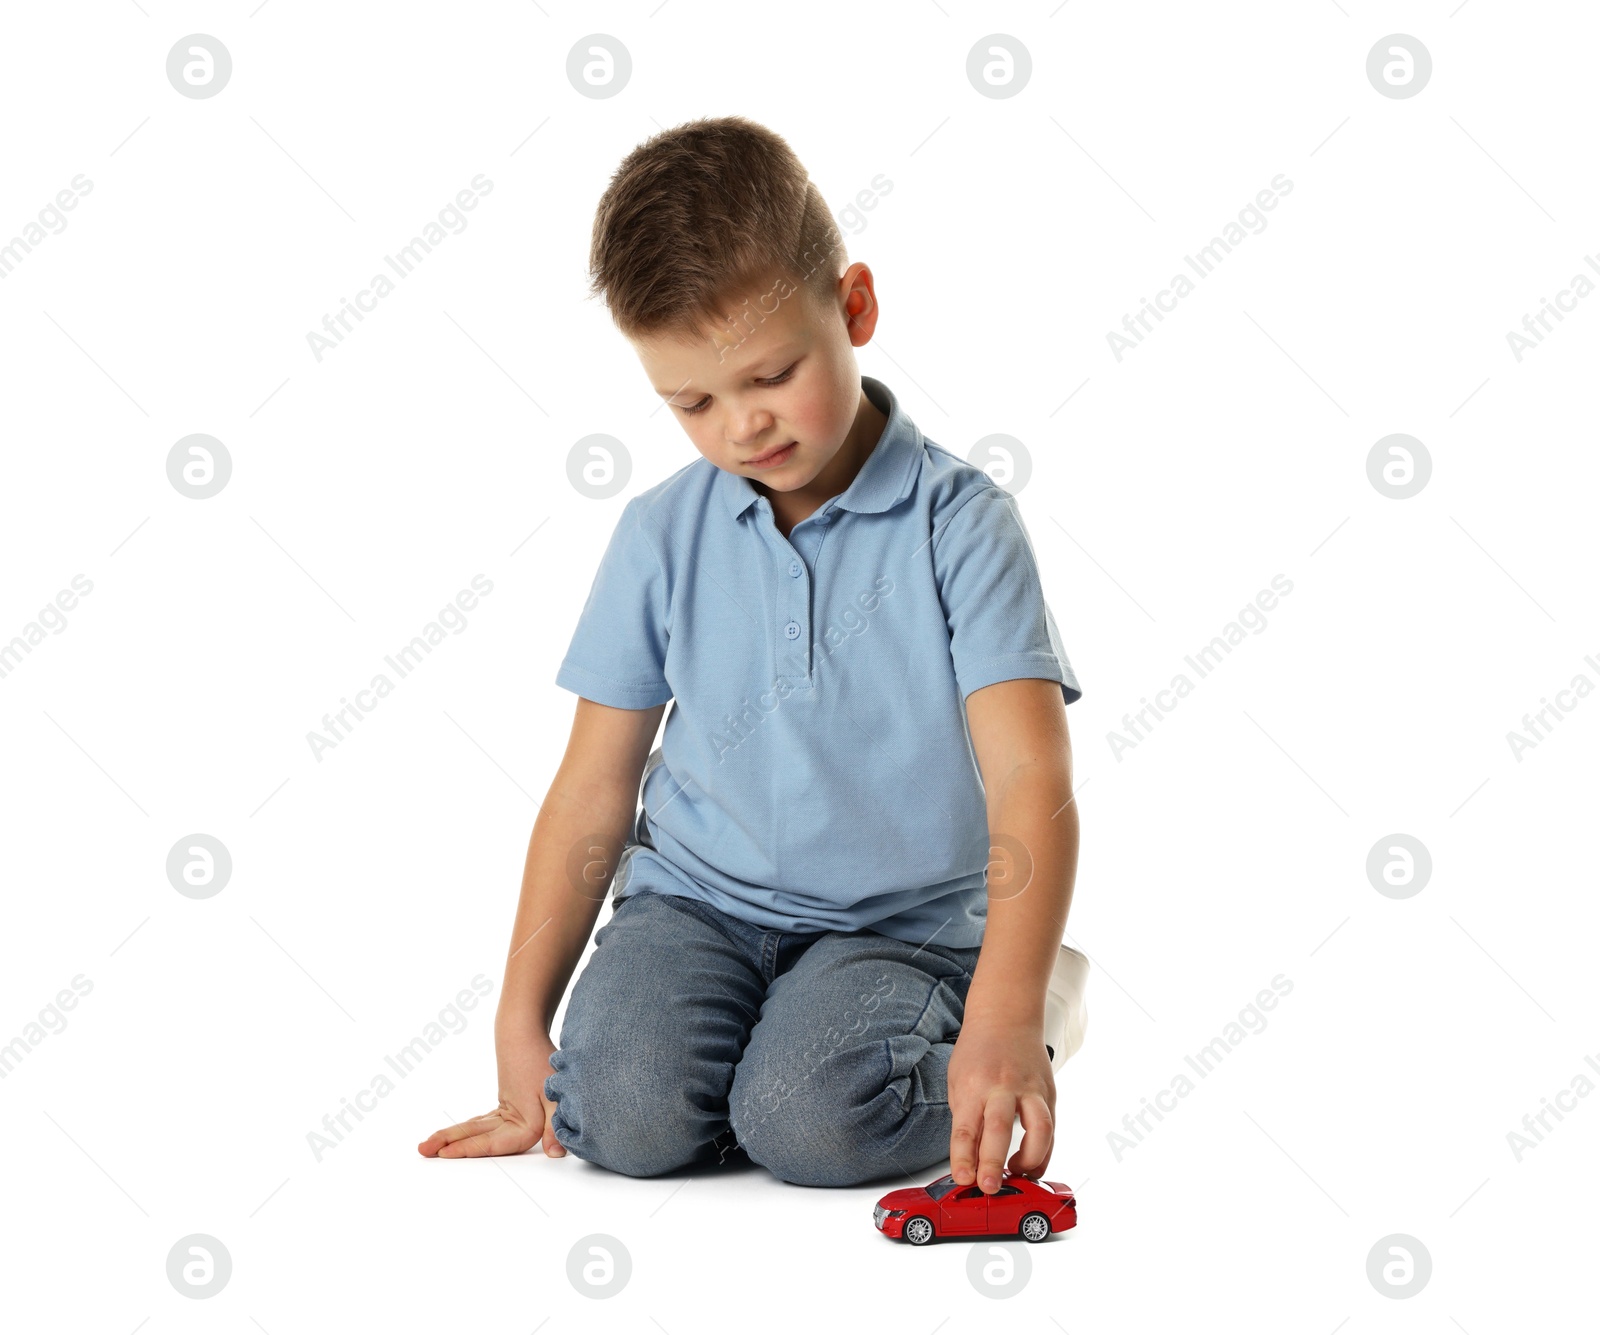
774	398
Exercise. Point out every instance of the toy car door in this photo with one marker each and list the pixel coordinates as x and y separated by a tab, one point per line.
1006	1208
965	1210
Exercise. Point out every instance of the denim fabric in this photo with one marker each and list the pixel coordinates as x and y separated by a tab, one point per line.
822	1054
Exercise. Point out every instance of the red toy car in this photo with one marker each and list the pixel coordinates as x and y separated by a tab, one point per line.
1022	1205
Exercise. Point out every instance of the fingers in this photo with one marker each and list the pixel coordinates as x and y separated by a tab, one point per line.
450	1134
469	1147
1038	1136
979	1138
966	1122
492	1133
999	1115
507	1138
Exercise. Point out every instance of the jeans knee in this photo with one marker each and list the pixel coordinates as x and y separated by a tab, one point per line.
627	1113
814	1132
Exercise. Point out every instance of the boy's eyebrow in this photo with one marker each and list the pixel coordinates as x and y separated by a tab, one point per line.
783	355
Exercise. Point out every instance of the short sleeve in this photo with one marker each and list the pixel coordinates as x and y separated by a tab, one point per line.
618	654
1000	625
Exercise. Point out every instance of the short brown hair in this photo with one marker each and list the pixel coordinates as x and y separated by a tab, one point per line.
699	212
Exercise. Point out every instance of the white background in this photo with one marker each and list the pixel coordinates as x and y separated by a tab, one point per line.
369	887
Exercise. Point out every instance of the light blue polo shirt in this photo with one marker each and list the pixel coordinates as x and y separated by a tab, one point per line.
816	772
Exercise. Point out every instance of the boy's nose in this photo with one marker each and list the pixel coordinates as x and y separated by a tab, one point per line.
744	433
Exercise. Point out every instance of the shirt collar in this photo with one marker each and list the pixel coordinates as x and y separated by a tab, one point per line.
883	481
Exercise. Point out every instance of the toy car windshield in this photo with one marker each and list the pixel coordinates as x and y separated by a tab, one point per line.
939	1188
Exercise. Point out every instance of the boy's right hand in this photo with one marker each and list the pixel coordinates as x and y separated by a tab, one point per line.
521	1120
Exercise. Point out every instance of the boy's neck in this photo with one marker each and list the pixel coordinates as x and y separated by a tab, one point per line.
790	507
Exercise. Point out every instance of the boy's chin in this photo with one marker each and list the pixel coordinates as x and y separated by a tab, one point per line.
790	477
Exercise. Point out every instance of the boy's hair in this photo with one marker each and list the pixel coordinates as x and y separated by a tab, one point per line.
702	211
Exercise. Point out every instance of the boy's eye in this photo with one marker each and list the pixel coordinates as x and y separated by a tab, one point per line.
771	380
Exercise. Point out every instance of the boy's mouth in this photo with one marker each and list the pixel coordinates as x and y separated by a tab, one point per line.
772	458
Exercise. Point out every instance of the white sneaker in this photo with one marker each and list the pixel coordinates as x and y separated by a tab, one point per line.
1065	1014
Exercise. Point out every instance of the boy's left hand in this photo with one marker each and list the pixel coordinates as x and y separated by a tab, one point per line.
999	1072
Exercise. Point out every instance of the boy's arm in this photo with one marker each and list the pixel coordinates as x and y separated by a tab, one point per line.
584	821
1000	1070
586	818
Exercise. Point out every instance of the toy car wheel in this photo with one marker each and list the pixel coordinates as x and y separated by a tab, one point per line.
918	1231
1035	1227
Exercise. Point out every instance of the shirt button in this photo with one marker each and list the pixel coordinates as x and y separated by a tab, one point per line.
794	569
825	518
792	630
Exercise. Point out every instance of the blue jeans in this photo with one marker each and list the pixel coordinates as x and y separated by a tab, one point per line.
822	1055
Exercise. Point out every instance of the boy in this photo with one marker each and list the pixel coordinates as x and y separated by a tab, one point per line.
809	956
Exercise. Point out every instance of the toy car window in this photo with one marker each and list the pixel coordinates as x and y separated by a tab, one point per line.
939	1188
1009	1191
970	1194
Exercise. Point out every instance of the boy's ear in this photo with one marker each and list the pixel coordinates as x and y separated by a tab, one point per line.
860	304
